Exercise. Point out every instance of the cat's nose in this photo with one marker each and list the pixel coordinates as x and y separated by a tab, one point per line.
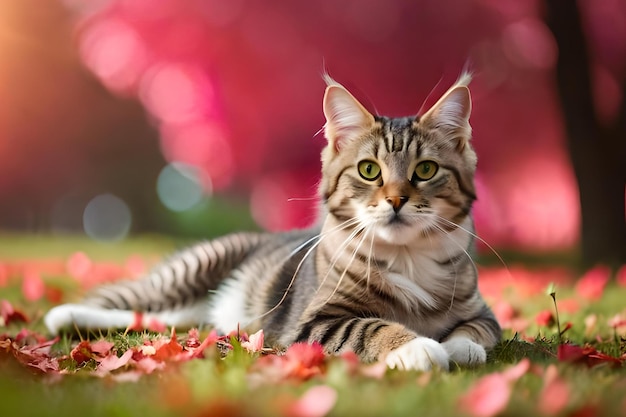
397	202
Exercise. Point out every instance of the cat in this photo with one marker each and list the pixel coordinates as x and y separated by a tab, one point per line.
388	275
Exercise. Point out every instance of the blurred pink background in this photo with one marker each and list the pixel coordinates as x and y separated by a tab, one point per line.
97	97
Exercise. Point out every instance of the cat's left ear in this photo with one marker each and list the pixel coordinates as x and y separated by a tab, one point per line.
452	112
346	118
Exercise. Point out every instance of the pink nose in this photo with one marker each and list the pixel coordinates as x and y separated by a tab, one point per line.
397	202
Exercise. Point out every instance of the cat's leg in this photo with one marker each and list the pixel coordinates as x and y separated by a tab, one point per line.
374	339
469	342
84	316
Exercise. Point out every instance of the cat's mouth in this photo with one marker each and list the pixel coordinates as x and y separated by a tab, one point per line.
397	220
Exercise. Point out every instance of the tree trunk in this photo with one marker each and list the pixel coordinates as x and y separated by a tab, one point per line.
598	153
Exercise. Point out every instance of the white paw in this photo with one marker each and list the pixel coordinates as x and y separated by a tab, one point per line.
422	354
465	352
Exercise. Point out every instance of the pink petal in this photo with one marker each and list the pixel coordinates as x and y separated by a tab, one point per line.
210	340
316	402
255	342
102	347
488	397
555	394
112	362
148	365
591	285
33	287
515	372
545	318
79	265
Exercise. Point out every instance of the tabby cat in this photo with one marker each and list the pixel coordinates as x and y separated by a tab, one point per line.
387	276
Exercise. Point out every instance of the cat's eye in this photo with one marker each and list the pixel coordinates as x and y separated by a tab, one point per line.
425	170
369	170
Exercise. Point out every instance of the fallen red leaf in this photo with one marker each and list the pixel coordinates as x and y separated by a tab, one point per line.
210	340
82	353
303	360
169	350
112	362
9	314
193	338
36	356
586	355
102	347
545	318
28	337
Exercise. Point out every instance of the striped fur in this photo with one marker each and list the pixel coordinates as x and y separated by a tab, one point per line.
388	275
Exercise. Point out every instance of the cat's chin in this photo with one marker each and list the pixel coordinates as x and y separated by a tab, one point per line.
397	234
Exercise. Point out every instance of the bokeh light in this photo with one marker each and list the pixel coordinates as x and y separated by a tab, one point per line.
113	50
179	187
176	93
232	90
107	218
529	43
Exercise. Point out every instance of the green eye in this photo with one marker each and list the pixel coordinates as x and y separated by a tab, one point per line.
369	170
426	170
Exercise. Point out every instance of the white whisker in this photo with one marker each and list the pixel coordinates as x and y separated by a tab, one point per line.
352	258
319	237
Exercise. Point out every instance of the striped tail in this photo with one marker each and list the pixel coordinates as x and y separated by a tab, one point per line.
181	280
173	294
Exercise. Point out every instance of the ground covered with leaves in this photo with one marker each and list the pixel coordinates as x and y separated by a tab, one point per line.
563	353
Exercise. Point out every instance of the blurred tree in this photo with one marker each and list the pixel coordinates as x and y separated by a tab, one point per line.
597	149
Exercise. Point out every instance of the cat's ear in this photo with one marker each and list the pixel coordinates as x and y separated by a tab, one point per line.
452	112
346	118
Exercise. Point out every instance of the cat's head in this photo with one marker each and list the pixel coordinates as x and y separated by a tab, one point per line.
402	178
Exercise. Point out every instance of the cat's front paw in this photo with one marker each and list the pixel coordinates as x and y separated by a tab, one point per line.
422	354
465	352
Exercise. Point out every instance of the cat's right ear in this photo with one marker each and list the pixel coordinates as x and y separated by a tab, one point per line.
346	118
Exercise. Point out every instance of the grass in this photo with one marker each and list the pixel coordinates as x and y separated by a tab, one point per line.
237	386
